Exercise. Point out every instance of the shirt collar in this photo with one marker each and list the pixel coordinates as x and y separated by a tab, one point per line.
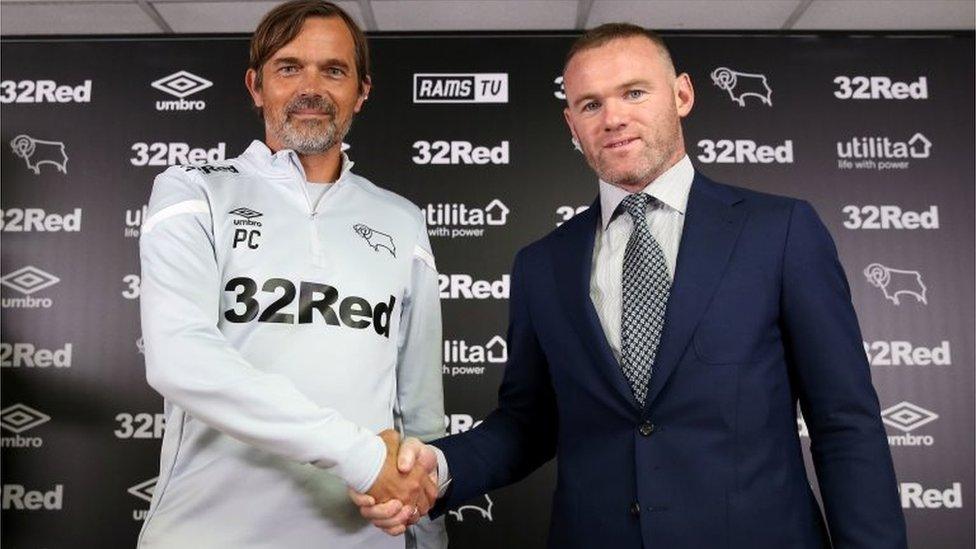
671	188
285	157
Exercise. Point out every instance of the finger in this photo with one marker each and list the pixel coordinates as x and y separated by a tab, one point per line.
382	511
361	500
408	454
396	530
430	489
398	519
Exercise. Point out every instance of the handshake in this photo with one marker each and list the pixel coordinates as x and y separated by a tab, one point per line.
405	489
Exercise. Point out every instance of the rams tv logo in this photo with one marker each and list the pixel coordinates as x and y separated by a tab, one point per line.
460	88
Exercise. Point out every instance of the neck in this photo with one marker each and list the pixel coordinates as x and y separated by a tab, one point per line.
323	167
638	186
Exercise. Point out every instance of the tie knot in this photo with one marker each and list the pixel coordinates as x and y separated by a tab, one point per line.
636	204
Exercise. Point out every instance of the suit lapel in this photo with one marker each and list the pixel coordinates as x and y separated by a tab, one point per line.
711	228
572	259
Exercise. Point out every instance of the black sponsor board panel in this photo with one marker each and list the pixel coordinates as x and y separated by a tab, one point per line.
876	131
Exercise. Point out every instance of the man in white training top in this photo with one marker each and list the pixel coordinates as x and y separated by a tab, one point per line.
290	313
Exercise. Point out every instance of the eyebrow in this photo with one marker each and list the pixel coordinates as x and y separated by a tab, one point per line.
331	62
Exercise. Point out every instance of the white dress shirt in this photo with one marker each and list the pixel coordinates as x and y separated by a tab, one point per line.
666	220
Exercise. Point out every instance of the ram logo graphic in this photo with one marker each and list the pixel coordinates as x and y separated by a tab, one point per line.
375	239
483	510
740	85
894	282
37	152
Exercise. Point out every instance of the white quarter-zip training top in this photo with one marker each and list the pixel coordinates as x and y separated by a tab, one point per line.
282	337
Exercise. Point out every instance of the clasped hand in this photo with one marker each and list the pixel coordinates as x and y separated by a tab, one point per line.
405	489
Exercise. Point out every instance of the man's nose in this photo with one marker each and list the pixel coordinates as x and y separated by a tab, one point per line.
313	82
614	116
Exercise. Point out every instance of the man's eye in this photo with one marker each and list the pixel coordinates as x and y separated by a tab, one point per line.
335	71
591	106
635	94
288	69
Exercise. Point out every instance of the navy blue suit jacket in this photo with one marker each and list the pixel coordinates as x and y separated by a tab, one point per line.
759	318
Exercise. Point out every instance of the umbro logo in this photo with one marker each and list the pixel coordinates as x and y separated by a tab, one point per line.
19	418
375	239
906	416
246	213
181	84
144	490
28	280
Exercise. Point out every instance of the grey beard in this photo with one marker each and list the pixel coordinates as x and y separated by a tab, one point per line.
308	137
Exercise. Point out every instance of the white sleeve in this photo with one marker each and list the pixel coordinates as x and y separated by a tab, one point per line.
420	392
192	365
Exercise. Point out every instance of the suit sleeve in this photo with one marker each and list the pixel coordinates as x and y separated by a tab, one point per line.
825	352
520	434
193	366
420	393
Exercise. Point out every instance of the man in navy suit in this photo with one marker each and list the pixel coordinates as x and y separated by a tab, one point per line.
659	344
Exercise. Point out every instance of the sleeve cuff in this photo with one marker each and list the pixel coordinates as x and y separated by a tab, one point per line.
363	464
443	473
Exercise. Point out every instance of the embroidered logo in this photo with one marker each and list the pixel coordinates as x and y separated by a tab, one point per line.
375	239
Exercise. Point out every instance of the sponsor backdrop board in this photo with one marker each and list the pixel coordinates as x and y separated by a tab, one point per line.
876	131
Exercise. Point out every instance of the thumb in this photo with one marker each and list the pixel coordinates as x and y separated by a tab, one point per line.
408	454
427	459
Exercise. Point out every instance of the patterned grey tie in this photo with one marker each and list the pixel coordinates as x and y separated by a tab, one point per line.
646	287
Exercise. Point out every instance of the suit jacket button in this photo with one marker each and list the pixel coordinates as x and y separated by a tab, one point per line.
646	428
635	508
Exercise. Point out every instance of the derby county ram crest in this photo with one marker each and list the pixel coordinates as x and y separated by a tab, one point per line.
375	239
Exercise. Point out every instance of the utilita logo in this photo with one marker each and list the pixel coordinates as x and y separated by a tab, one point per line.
28	280
143	491
456	220
44	91
907	417
460	88
181	84
463	358
133	221
740	85
18	419
882	153
464	286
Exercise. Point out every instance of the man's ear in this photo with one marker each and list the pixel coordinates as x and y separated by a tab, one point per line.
364	94
250	81
684	94
572	130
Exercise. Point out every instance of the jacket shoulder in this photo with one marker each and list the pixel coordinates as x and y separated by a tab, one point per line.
390	201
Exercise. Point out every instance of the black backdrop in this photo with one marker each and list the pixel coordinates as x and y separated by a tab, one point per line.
875	130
